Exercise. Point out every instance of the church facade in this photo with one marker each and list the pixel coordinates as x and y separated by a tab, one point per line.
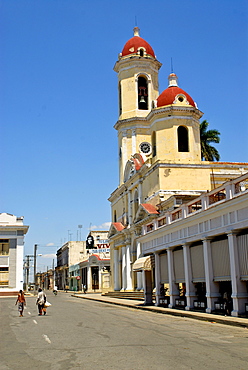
161	174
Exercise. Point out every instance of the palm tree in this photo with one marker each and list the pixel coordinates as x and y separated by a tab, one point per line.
208	152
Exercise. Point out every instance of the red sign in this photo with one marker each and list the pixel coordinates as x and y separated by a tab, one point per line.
78	277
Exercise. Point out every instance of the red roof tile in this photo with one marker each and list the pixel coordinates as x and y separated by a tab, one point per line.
149	208
136	42
118	226
168	96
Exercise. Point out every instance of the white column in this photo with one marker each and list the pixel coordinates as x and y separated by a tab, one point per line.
124	266
89	278
190	288
120	268
174	291
139	274
230	191
100	277
157	278
116	270
239	292
128	268
212	289
133	141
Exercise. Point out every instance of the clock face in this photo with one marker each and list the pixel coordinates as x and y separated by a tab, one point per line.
145	148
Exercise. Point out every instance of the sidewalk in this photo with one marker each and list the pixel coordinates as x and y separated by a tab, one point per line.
227	320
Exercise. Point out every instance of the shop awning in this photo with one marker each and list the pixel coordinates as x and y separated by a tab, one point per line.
143	263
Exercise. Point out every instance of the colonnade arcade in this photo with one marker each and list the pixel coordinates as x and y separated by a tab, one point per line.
205	274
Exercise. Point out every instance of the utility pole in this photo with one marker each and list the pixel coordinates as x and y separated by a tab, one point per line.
35	252
27	270
53	275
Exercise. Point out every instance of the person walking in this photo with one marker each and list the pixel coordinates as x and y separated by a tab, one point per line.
21	302
41	300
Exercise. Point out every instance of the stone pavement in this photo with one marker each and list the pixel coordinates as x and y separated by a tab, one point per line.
131	303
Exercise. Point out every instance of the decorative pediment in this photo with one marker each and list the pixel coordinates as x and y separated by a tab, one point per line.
133	165
129	170
145	210
94	259
115	228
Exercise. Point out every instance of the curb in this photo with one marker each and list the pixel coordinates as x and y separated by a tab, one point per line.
184	314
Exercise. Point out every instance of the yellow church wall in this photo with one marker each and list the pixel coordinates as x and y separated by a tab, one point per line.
184	178
129	103
119	208
167	140
150	186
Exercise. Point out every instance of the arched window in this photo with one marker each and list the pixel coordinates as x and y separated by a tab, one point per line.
183	139
136	202
115	217
154	144
142	93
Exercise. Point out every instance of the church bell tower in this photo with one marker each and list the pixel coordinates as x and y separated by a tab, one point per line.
137	69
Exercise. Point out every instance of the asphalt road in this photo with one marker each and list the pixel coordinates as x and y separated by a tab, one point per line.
83	334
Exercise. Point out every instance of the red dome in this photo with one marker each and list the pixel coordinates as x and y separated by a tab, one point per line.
168	96
136	42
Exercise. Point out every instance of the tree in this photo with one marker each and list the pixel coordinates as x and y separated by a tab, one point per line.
208	152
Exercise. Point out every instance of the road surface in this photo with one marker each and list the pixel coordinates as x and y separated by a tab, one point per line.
83	334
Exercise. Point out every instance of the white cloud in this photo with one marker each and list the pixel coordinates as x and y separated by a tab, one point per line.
50	245
52	255
104	226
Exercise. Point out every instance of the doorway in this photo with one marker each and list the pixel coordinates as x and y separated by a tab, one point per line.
95	278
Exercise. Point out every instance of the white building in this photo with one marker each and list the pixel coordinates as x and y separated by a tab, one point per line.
198	252
12	232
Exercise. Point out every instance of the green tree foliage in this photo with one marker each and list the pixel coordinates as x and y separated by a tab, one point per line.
208	152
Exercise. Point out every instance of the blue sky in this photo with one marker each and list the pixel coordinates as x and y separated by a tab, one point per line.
58	99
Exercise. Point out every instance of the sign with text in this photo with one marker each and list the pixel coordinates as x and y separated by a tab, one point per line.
100	250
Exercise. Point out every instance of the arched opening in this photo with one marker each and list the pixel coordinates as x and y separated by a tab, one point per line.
183	139
154	144
136	202
141	52
115	217
142	93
